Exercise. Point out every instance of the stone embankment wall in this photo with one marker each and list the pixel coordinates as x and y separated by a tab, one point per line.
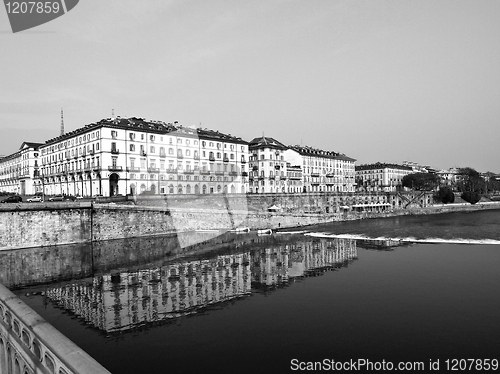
35	225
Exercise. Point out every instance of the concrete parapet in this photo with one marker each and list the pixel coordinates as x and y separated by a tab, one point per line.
29	344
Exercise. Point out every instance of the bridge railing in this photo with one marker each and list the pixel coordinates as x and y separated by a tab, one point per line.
29	344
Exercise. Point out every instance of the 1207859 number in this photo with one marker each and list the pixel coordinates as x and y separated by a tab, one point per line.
24	7
472	364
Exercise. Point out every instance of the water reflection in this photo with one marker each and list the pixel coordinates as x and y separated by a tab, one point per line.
119	301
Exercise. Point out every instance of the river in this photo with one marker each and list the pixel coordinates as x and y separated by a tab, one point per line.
409	288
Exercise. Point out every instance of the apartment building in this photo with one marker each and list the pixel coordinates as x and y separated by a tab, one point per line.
268	167
323	171
381	176
19	172
133	156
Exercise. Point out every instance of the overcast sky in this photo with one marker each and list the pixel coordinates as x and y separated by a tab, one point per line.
384	81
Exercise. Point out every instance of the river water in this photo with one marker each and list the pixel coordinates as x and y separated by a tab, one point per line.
412	288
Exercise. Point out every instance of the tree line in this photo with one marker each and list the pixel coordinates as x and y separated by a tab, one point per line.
469	184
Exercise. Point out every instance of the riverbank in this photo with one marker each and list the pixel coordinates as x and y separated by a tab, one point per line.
41	225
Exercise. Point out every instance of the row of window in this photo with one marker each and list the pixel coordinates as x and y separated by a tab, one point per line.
152	138
71	142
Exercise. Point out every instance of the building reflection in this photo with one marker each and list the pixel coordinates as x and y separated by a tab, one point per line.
120	301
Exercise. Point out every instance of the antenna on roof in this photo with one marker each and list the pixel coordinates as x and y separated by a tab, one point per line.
62	122
112	113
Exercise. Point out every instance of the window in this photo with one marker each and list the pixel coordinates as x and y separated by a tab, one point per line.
114	134
152	149
132	147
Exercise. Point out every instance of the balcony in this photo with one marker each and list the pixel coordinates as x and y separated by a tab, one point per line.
314	175
96	169
133	169
226	159
143	153
115	151
163	155
244	174
179	155
277	167
233	173
188	171
115	168
243	161
211	158
196	157
153	170
205	172
255	168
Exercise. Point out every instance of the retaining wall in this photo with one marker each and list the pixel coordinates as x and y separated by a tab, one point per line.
38	225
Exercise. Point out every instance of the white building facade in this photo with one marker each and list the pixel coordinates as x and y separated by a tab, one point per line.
19	172
135	156
268	168
323	171
381	176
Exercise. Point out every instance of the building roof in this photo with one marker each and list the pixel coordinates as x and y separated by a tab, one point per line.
140	124
266	142
31	145
315	152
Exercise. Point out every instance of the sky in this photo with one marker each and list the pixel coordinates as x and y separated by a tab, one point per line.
377	80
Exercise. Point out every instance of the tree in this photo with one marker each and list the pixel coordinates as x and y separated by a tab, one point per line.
471	185
421	181
470	181
445	195
471	196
